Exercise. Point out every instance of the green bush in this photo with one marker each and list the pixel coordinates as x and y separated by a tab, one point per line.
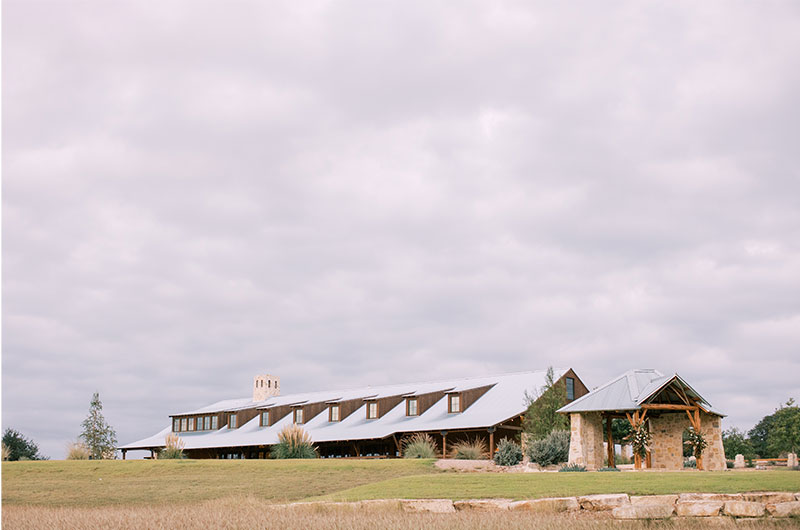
554	449
293	442
469	450
690	463
572	468
420	445
508	453
609	469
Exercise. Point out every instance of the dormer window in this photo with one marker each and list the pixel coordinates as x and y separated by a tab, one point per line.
176	425
214	423
232	421
183	424
298	416
372	410
412	407
333	413
191	424
453	403
265	418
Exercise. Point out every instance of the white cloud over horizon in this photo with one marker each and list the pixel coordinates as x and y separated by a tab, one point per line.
355	193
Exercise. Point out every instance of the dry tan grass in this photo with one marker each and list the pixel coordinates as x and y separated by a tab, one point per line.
253	513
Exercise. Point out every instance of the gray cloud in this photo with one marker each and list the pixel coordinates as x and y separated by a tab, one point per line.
355	193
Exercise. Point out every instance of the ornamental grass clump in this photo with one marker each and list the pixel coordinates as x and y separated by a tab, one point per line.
554	449
508	453
173	449
419	445
572	468
470	450
294	442
77	451
6	452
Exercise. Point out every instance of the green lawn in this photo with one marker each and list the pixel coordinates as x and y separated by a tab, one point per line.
537	485
138	482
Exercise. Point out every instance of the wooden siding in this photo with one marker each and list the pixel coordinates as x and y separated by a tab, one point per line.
580	388
468	397
311	410
348	407
387	403
278	413
426	401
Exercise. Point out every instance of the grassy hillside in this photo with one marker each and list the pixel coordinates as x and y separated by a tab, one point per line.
126	483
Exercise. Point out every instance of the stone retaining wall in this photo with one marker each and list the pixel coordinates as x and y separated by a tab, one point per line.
621	505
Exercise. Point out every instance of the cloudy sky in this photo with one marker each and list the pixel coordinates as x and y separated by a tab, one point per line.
351	193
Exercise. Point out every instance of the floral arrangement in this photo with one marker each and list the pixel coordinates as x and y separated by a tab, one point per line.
696	441
640	440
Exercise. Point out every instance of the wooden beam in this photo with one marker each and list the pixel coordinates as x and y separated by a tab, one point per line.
610	438
664	406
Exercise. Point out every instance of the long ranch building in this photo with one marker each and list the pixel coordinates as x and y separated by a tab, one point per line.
362	422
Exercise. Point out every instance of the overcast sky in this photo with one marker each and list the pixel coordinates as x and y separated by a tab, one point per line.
352	193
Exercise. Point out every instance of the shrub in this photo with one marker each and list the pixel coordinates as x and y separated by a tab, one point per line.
552	450
19	447
508	453
419	445
609	469
690	462
294	442
173	449
572	468
470	450
729	464
77	451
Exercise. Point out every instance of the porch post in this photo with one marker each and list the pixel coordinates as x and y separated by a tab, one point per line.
444	444
610	441
124	452
491	442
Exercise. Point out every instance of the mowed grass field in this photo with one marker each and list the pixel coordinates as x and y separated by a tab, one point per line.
181	482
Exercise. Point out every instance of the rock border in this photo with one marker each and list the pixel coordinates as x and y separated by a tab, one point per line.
620	505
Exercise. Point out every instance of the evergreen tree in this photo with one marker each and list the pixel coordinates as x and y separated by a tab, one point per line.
541	417
98	435
19	448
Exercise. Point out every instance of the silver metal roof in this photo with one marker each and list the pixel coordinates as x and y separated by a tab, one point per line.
504	400
627	392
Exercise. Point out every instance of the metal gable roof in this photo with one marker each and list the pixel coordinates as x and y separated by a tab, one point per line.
503	400
629	391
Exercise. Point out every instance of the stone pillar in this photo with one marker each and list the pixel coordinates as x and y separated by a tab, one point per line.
714	455
791	460
738	463
586	440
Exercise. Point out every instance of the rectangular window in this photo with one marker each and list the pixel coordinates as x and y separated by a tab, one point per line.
183	424
232	421
570	388
214	422
334	413
191	424
411	407
176	425
265	418
372	410
454	403
298	415
207	423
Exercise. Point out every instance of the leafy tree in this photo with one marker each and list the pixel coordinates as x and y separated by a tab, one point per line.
784	437
735	443
620	430
758	437
19	447
98	435
541	417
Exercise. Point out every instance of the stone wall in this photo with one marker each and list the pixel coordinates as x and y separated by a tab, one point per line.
666	432
667	440
586	440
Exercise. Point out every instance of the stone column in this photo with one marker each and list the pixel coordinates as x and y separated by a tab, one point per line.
791	460
714	454
586	440
738	463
